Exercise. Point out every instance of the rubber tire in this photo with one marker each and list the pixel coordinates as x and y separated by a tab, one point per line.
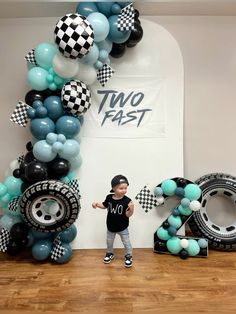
212	184
58	191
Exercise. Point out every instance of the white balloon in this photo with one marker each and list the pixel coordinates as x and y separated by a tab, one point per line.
13	165
65	67
160	200
87	73
195	206
184	243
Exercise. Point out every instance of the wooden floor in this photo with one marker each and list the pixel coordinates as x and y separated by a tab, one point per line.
156	283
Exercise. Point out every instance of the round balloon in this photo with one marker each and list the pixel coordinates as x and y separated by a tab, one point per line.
100	26
68	125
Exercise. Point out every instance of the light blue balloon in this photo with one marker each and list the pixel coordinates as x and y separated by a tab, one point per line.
105	44
105	8
193	248
175	221
13	185
173	245
103	55
54	107
41	249
37	78
44	53
51	138
163	234
58	147
92	56
86	8
202	243
100	26
41	127
68	125
7	221
43	151
115	35
69	234
158	191
68	253
75	162
71	149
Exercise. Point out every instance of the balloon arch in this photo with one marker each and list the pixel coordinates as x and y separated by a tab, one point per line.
40	201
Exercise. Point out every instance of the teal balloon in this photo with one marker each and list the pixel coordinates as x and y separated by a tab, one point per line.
54	107
173	245
38	235
163	234
3	205
124	4
169	186
100	26
116	8
3	189
43	151
13	185
68	125
69	234
105	44
37	78
175	221
7	198
185	202
86	8
184	210
44	53
71	149
7	221
68	253
75	162
92	56
71	175
114	34
30	65
40	127
41	249
105	8
192	192
193	248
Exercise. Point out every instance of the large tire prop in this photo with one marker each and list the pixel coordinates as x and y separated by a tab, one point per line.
49	206
219	237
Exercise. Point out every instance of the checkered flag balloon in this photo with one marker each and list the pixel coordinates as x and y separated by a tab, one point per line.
19	115
74	184
146	199
30	57
13	204
20	159
74	35
76	97
58	250
4	239
104	74
125	20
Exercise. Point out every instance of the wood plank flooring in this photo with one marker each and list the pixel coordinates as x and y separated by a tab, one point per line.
156	283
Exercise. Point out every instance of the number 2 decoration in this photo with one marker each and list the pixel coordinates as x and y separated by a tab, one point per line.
166	239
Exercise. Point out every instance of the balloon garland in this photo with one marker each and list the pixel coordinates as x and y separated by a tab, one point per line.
40	199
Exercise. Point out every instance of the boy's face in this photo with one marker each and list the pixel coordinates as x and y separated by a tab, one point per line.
120	189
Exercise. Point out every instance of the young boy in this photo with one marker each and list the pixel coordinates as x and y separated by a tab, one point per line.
119	209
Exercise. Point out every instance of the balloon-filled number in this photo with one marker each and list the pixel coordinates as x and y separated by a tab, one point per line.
166	239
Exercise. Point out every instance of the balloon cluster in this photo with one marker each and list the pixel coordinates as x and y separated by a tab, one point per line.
189	193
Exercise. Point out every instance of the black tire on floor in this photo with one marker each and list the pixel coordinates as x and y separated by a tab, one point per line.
49	206
221	238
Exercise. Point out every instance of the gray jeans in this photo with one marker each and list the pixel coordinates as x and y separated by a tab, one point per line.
124	235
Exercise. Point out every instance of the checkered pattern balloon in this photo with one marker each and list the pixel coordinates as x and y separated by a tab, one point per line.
19	115
104	74
76	97
4	239
13	204
125	20
146	199
30	57
74	35
74	184
58	250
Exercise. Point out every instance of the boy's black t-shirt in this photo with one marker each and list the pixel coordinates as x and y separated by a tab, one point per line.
116	213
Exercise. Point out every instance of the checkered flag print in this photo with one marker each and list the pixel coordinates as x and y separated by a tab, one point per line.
30	57
13	204
76	97
58	250
125	20
20	159
74	184
104	74
146	199
74	35
19	115
4	239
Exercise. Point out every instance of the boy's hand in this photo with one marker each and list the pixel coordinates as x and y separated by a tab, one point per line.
94	204
130	206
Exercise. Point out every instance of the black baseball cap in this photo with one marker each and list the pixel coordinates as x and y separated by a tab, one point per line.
119	179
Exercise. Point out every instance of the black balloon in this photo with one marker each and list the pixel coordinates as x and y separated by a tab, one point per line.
19	233
17	173
58	168
181	182
13	248
33	95
136	14
29	157
183	254
29	146
36	171
136	35
118	50
165	224
25	186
